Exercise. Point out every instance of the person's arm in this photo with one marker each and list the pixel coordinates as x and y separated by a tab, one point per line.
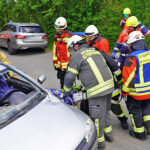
112	64
54	50
72	72
145	31
118	45
128	74
122	22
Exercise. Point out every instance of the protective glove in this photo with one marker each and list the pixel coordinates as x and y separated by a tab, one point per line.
113	54
56	66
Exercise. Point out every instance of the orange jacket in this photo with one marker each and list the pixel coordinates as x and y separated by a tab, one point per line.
61	55
100	43
123	35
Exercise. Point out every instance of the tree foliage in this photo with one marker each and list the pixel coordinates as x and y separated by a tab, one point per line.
105	14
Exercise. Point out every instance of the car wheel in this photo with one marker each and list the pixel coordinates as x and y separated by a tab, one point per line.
11	50
42	50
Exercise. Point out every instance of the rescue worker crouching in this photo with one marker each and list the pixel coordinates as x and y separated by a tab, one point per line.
136	85
89	65
61	55
102	45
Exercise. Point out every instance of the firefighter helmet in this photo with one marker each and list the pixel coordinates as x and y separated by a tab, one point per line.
60	23
135	36
91	30
132	21
74	40
127	11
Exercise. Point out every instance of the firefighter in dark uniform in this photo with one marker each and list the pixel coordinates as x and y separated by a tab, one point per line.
96	77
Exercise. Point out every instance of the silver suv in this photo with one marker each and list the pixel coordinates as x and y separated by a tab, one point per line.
15	36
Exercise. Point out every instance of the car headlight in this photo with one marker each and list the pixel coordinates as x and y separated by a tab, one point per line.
89	129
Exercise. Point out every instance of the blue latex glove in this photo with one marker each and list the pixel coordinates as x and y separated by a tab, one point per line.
113	54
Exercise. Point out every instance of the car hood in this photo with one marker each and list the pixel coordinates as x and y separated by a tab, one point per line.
48	126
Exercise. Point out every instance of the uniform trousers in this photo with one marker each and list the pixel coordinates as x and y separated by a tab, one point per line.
99	110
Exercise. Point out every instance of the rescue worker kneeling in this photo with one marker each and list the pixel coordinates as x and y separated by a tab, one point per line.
89	65
136	85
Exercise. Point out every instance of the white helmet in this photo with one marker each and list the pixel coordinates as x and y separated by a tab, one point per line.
60	23
74	40
91	30
135	36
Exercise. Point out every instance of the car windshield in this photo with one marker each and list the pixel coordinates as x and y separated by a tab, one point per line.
18	94
31	29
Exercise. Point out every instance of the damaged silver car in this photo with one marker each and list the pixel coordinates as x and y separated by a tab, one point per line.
41	121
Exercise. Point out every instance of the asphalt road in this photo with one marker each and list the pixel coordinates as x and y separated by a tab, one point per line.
35	63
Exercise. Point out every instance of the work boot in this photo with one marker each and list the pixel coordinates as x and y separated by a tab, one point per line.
109	137
140	136
124	124
101	145
148	131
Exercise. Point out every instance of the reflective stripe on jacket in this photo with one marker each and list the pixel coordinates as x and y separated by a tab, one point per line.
61	55
89	65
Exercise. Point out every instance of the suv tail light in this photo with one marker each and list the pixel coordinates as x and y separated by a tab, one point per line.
20	37
45	36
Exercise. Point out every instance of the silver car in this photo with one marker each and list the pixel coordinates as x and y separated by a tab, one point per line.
42	121
15	36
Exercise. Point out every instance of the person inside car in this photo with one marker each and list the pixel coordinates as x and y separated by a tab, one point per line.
10	95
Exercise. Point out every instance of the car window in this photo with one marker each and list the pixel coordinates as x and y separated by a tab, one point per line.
5	28
12	28
15	87
31	29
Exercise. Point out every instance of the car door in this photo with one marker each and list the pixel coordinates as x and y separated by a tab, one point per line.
9	35
4	35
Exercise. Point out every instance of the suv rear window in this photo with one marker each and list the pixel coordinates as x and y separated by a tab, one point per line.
31	29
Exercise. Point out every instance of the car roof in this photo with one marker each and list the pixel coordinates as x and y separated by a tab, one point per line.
23	24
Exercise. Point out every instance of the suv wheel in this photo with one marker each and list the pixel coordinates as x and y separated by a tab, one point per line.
11	50
42	50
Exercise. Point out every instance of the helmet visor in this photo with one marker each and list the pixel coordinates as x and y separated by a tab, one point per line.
59	26
89	34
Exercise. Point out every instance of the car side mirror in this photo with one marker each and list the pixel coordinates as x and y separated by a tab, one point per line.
41	78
